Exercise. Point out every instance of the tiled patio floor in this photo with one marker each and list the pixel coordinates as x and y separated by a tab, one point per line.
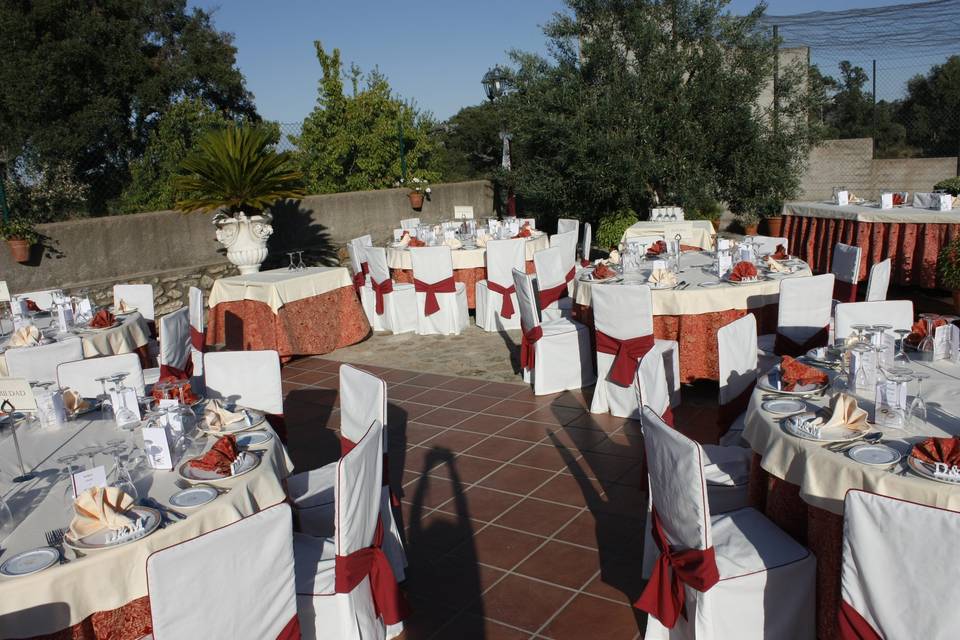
523	515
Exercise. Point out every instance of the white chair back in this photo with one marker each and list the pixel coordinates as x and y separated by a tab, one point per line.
526	300
623	312
652	388
135	295
768	244
567	242
195	300
587	241
551	267
363	400
175	347
255	597
846	263
43	299
879	281
377	262
897	570
566	225
357	492
503	256
248	378
410	224
81	375
805	306
896	313
737	351
431	264
462	212
355	252
39	364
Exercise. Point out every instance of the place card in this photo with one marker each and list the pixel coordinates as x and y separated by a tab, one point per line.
64	317
946	471
87	479
50	408
156	443
397	234
942	201
4	291
724	264
945	340
843	198
723	244
745	253
886	201
16	394
84	309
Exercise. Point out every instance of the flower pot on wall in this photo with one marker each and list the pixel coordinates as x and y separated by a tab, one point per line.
750	230
245	239
19	249
416	199
775	226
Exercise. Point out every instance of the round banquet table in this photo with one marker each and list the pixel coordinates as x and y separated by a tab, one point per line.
800	485
469	265
131	335
692	315
104	594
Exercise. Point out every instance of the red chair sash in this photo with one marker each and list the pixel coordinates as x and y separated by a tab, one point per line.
853	626
198	339
730	411
844	291
585	263
784	346
663	597
359	279
290	631
527	350
506	308
365	268
667	416
388	600
627	354
553	294
431	305
380	289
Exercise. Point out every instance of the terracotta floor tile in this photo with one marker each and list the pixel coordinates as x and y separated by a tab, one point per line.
499	389
418	460
436	397
440	532
428	617
429	380
516	479
312	377
542	456
408	410
605	467
619	444
561	563
618	580
526	430
483	504
574	398
463	385
607	620
454	440
524	603
484	423
453	584
397	376
537	516
498	547
430	492
623	500
415	433
473	402
498	448
597	421
444	417
471	626
568	490
403	391
469	469
513	408
581	530
557	415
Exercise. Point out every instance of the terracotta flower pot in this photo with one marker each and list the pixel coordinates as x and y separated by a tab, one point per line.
750	230
416	199
19	249
716	224
775	226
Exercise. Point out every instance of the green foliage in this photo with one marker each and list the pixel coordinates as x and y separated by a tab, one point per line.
709	210
469	143
613	226
236	168
44	193
950	185
18	228
948	265
930	110
352	142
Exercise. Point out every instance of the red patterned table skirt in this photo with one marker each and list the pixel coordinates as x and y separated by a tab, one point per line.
469	277
817	529
697	336
912	248
311	326
129	622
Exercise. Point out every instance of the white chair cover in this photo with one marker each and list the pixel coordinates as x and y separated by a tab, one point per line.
622	313
81	375
431	265
357	255
587	243
247	378
175	348
135	295
846	263
805	308
255	594
896	313
766	586
567	242
363	400
39	364
43	299
768	244
738	365
462	212
503	256
878	281
399	306
899	571
562	355
565	225
198	325
552	269
410	224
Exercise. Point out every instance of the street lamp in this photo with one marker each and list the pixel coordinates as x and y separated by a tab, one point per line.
495	82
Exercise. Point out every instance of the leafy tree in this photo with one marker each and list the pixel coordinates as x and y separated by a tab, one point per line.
930	110
352	142
84	81
850	114
470	144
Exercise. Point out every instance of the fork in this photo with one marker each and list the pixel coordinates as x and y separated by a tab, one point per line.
55	539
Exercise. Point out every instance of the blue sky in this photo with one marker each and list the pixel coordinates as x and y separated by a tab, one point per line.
432	51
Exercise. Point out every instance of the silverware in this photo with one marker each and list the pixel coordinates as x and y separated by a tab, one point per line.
164	510
55	539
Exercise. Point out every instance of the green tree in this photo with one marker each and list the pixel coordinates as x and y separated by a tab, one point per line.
930	111
469	144
85	80
352	142
850	114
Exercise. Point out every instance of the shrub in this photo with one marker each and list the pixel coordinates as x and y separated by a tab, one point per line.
613	225
948	265
950	185
18	229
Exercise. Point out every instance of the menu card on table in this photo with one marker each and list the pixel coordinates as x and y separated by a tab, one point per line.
946	342
16	395
156	442
843	198
88	478
4	291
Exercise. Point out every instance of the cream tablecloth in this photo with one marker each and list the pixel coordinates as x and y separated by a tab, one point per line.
870	213
278	287
697	233
399	258
64	595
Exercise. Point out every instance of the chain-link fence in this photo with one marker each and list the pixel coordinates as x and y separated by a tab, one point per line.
289	131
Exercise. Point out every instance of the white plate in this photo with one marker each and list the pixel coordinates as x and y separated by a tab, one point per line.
116	323
193	497
784	406
657	287
257	419
29	562
710	283
925	470
877	455
123	313
250	462
760	278
767	385
826	355
831	434
98	541
254	439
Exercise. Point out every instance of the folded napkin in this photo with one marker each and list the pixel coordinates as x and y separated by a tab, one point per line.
525	231
102	320
122	306
743	271
416	242
453	243
73	402
932	450
775	266
919	330
188	396
846	413
405	239
662	278
657	248
28	336
602	272
217	416
899	198
794	375
780	253
614	257
32	306
100	508
219	458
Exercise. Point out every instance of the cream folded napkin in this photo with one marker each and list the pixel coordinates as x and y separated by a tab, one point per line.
217	416
405	239
481	240
73	402
847	414
98	508
28	336
614	257
775	265
662	278
453	243
122	306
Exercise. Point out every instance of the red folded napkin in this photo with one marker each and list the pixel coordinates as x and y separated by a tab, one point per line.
897	199
32	306
602	271
919	330
743	270
188	396
219	458
524	231
946	450
780	253
794	373
416	242
658	247
102	320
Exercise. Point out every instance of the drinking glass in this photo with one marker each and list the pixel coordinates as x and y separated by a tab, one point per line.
292	265
927	344
300	265
106	405
918	408
901	355
862	380
901	376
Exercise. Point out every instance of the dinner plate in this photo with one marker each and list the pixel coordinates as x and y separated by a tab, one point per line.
194	497
657	287
767	384
257	419
254	439
824	355
876	455
710	283
98	541
30	562
123	313
759	278
829	434
784	406
250	462
925	470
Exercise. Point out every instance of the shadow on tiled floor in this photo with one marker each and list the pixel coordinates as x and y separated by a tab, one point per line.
523	515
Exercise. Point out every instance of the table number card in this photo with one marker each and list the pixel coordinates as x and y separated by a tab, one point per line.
843	198
724	264
4	291
943	201
945	340
156	442
88	478
397	234
886	201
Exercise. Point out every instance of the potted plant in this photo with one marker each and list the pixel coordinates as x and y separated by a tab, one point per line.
612	227
948	266
236	172
419	189
749	220
710	210
20	236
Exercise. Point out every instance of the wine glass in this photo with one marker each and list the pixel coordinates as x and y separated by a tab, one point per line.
91	452
300	265
292	265
901	376
862	380
927	344
106	405
901	355
918	408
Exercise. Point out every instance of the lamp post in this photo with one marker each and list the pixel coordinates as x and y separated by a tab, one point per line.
494	83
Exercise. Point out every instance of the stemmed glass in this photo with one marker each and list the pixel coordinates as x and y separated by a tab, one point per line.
918	408
900	376
901	357
300	264
91	453
861	380
106	405
927	344
293	265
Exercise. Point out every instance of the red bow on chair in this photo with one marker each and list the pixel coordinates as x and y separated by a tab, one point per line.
784	346
381	288
528	351
431	305
845	291
854	626
388	600
506	308
663	597
198	339
553	294
627	354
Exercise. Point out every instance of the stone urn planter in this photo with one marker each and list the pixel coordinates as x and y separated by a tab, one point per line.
245	239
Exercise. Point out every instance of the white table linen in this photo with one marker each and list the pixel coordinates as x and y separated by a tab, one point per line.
698	233
871	213
278	287
399	257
